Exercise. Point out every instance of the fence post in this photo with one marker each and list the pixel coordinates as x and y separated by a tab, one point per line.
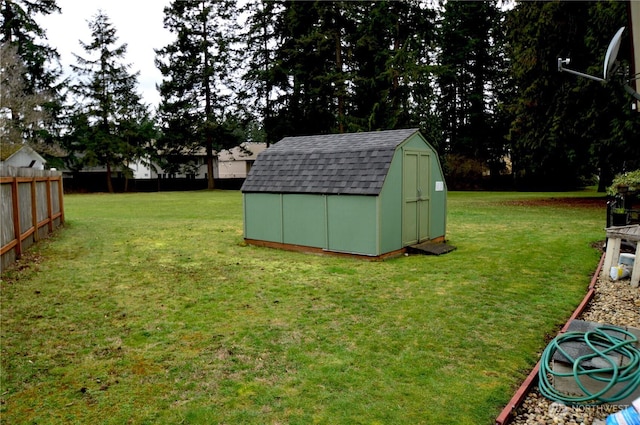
15	199
49	204
11	180
34	209
60	199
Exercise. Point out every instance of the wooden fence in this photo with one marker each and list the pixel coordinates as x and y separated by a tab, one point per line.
31	207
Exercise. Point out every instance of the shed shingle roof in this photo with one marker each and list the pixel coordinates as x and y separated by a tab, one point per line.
354	163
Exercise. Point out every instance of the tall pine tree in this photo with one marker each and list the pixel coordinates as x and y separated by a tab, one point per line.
471	65
567	129
20	32
613	148
343	66
304	62
21	112
260	42
111	125
391	64
20	29
196	88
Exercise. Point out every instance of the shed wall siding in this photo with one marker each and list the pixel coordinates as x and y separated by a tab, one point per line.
438	217
391	207
263	216
342	223
304	220
353	224
415	142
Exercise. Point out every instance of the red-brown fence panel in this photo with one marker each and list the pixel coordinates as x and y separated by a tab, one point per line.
31	207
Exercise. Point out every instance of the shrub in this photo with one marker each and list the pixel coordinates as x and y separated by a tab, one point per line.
625	183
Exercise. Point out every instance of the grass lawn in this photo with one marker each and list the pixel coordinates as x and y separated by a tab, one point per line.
150	309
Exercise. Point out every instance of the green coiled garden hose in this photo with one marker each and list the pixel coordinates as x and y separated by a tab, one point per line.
602	343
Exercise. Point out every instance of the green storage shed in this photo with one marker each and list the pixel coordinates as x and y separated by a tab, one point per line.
370	194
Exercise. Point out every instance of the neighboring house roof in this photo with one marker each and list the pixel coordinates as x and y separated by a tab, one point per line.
21	156
245	152
8	149
354	163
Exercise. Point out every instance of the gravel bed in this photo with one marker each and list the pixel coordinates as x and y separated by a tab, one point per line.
614	303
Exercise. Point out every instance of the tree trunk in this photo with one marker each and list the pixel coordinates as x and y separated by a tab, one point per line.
109	182
210	182
207	108
8	16
267	90
340	80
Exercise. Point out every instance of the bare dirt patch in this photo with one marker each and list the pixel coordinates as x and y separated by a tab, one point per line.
28	262
598	202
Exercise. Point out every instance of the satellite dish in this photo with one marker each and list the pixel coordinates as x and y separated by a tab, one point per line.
612	53
609	60
609	65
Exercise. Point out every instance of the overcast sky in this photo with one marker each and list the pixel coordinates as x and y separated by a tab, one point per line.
138	23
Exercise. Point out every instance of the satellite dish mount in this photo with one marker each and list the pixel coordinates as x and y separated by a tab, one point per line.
610	64
561	68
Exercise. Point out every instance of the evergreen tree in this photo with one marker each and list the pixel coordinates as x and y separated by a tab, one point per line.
261	41
20	112
41	70
392	66
343	66
296	66
196	87
469	78
20	29
305	59
565	127
111	126
540	135
612	147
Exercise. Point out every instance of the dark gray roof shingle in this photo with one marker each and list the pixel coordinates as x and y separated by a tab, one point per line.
354	163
